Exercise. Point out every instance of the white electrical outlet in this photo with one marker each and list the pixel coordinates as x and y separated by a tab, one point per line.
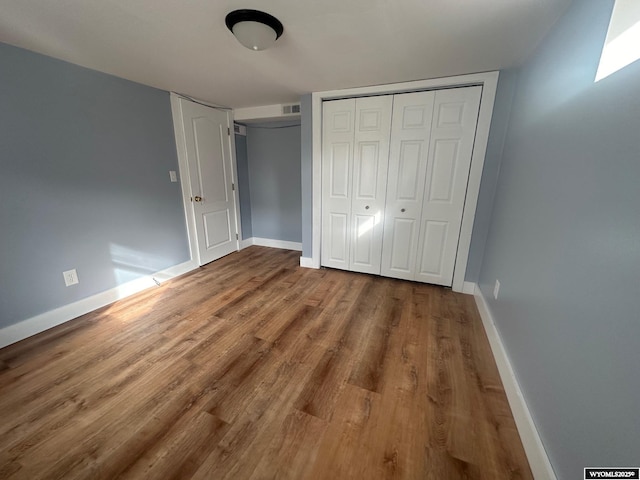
496	289
173	176
70	277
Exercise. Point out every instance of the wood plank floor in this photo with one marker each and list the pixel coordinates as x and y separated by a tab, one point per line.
254	368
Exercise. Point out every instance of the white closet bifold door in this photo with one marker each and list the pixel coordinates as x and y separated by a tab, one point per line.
410	133
395	170
453	130
370	164
338	123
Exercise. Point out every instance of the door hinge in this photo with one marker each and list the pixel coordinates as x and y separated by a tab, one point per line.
228	131
237	238
233	186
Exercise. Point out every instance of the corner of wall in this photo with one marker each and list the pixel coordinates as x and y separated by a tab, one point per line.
505	93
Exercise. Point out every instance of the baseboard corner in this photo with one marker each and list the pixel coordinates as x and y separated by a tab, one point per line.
246	242
469	288
307	262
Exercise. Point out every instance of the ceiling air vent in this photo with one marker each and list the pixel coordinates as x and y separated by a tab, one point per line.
293	109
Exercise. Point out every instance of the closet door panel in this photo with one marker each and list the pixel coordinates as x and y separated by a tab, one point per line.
452	136
410	134
338	226
398	241
433	247
370	164
338	123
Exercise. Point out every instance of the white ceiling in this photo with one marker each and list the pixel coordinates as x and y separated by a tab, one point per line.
184	46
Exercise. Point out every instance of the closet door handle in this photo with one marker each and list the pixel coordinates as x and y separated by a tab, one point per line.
367	207
402	210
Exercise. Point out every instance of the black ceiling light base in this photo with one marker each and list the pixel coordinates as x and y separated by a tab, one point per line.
246	15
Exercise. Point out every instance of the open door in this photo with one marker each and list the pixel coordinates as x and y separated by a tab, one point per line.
203	136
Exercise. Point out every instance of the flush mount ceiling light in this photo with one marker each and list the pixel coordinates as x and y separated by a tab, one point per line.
254	29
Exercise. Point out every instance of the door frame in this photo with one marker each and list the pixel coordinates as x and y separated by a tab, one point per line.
488	81
185	182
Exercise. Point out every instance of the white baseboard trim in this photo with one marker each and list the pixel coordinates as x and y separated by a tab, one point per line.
533	447
284	244
307	262
44	321
247	242
469	288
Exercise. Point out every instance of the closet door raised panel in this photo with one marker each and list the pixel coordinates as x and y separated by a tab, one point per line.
371	159
338	122
453	131
410	133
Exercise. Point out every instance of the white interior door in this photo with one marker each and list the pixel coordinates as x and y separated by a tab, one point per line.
338	123
370	165
455	115
410	134
213	203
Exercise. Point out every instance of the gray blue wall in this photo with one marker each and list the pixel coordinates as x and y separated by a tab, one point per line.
495	144
564	242
244	190
275	180
84	183
306	157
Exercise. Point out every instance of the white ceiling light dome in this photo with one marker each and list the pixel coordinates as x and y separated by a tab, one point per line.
254	29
